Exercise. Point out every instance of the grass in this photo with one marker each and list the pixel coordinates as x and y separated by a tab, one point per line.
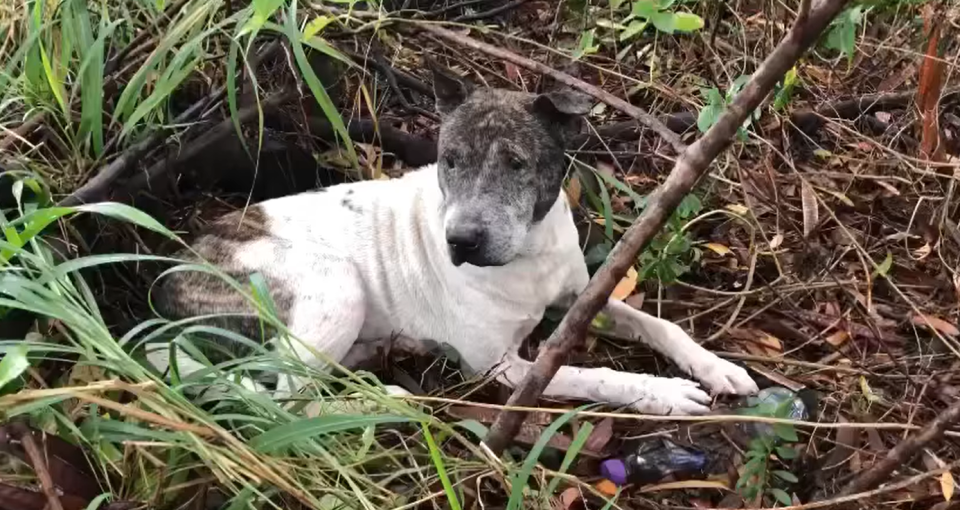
345	443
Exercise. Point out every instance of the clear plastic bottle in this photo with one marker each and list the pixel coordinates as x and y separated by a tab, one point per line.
652	461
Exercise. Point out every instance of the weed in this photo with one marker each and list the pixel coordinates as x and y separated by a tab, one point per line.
716	102
642	14
758	475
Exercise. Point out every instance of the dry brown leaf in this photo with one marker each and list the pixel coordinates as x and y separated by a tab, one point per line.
573	190
925	320
687	484
600	436
626	286
718	248
738	209
765	344
569	498
931	84
946	485
884	117
811	211
513	72
838	338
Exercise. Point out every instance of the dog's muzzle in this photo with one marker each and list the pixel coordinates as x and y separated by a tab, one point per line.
466	245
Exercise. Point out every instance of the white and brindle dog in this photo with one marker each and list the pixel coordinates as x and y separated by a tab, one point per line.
468	252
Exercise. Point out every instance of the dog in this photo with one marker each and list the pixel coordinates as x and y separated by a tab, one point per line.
470	252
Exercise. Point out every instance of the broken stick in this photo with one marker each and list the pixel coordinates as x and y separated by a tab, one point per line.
690	166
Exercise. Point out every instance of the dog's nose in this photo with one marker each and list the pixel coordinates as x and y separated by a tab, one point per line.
464	243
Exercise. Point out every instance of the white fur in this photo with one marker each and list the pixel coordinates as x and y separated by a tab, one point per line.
381	268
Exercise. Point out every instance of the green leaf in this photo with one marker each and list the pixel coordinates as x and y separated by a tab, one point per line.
13	364
664	21
785	90
585	46
689	206
316	26
709	116
781	496
884	266
785	476
786	453
635	27
687	22
288	434
786	432
644	8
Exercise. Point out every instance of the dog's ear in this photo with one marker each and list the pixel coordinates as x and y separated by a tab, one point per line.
563	108
449	91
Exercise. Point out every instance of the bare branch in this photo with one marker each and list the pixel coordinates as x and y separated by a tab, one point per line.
637	113
690	166
901	454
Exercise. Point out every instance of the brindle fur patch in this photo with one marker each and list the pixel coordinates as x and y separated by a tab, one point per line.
186	294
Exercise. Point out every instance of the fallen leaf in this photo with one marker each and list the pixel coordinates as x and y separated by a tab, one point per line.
606	487
838	338
718	248
573	190
931	84
923	251
884	117
765	344
811	212
626	286
687	484
738	209
569	497
946	485
513	72
776	241
936	323
600	436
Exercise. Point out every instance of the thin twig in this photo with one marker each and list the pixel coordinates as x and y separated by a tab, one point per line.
477	16
39	465
635	112
690	166
901	454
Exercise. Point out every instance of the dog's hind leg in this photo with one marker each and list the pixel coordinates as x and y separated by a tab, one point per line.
665	337
325	317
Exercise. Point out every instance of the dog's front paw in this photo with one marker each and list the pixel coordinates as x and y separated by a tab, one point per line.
721	376
660	395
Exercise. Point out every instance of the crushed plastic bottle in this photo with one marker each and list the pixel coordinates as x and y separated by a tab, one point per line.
652	461
772	398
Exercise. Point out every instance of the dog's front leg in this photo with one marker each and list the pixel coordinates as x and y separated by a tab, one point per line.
667	338
644	393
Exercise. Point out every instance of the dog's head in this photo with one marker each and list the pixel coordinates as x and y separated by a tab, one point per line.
501	164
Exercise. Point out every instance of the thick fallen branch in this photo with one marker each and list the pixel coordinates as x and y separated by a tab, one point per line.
690	166
99	186
901	454
635	112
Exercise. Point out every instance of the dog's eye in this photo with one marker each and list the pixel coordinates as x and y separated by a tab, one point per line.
448	161
516	163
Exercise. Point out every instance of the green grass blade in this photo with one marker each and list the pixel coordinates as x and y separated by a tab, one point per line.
13	364
575	446
437	458
289	434
518	482
313	82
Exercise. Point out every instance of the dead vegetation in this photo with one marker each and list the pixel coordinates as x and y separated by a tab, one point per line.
821	248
